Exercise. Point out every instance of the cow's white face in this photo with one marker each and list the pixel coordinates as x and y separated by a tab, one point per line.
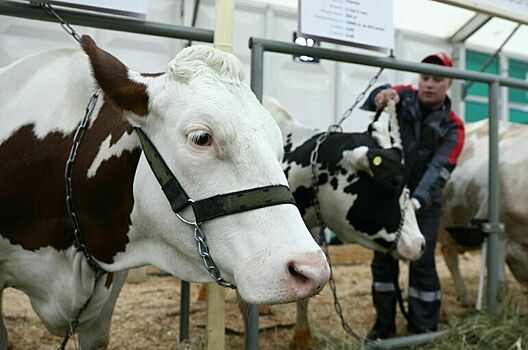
216	138
353	201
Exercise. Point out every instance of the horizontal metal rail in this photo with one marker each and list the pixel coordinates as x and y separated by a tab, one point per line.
122	24
385	62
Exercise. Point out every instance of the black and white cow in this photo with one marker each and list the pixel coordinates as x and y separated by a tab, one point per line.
361	192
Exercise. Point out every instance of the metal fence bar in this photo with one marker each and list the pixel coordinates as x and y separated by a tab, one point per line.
391	63
396	343
493	199
251	323
259	46
251	312
123	24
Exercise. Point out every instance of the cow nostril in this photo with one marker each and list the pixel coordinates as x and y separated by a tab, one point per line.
297	275
423	248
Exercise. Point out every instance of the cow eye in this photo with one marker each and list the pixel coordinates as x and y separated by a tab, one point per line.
201	138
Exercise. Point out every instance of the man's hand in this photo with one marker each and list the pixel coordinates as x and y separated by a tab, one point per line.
384	96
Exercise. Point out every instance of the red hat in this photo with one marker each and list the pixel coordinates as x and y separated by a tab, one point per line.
439	58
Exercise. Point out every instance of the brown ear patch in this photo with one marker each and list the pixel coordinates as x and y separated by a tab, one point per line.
112	76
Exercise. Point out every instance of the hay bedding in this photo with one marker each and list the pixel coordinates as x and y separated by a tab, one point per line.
147	314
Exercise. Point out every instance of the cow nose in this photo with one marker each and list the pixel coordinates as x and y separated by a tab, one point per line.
308	274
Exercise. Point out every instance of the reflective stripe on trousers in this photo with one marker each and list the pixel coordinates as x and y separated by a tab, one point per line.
427	297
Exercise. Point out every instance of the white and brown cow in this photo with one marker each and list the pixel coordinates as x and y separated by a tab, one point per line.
357	204
466	198
213	134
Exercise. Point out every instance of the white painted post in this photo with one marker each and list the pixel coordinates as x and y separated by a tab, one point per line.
215	317
223	33
223	40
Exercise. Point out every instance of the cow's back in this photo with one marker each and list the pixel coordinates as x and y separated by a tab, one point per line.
466	194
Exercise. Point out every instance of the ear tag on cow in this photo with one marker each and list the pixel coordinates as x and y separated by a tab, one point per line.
377	160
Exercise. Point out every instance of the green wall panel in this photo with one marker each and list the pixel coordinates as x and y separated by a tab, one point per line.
475	111
518	116
518	69
475	61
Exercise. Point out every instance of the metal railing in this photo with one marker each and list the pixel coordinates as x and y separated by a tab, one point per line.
259	46
94	20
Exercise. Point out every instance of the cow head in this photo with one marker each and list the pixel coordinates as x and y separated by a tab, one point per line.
361	191
216	138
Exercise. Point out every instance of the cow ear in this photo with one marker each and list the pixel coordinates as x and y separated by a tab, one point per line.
114	79
357	159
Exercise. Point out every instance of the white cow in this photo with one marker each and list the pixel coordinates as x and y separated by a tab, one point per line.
466	198
212	133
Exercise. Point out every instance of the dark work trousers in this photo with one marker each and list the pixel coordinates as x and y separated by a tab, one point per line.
424	286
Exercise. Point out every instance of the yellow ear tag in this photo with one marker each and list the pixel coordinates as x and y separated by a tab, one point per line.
377	160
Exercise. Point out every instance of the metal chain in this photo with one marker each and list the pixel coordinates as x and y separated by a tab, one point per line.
74	217
323	136
79	241
65	25
337	305
72	327
203	250
315	186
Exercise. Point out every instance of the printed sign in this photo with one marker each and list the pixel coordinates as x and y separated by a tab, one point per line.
363	23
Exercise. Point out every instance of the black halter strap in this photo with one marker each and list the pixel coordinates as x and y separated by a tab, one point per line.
216	206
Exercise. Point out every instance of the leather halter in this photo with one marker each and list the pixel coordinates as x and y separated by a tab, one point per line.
215	206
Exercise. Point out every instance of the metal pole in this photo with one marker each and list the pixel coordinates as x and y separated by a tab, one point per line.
184	311
251	319
251	312
123	24
257	70
385	62
402	342
493	200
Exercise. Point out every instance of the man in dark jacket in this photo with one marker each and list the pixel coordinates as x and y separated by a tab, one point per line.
432	137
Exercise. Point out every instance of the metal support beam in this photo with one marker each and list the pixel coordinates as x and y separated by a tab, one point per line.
251	323
493	200
257	70
402	342
386	62
122	24
469	28
251	317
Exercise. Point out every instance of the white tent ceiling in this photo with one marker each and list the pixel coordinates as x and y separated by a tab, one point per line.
432	18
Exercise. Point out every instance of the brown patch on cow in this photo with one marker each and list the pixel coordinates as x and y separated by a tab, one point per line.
112	76
32	202
109	280
32	187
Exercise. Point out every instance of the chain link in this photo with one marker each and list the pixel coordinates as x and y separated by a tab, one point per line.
72	327
79	241
338	127
74	217
323	136
65	25
210	265
337	305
